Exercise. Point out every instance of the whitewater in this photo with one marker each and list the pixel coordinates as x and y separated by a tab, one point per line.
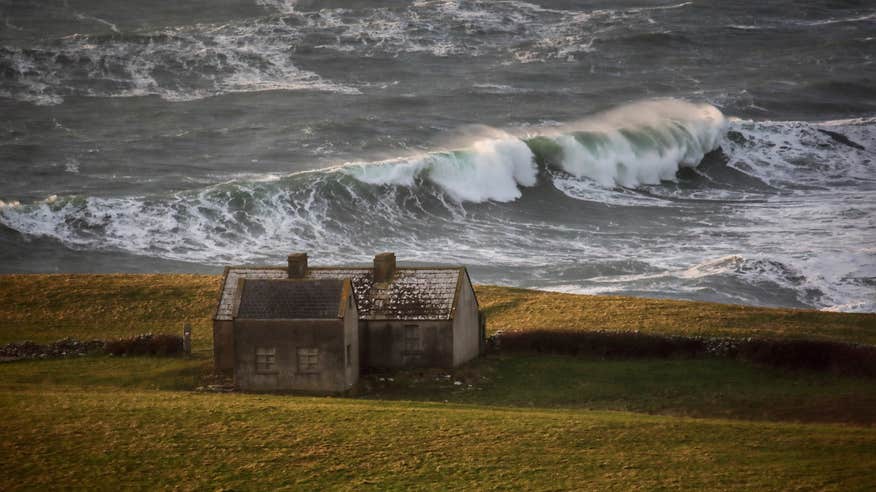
639	150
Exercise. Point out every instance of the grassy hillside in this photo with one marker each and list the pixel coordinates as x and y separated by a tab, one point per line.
45	308
509	421
521	309
140	438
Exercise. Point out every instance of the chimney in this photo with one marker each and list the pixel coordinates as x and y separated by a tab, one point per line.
297	265
384	267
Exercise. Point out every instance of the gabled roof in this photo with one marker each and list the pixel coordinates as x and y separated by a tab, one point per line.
292	299
414	293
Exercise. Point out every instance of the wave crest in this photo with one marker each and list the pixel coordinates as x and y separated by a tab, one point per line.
642	143
490	170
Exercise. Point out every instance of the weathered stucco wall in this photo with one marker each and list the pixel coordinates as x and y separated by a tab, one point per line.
387	348
329	336
223	345
351	336
466	332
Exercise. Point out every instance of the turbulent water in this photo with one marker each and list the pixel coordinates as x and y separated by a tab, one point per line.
700	150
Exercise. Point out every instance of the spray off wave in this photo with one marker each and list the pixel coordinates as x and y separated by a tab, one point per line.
643	143
639	144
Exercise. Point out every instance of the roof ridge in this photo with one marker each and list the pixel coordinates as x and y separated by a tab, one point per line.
416	293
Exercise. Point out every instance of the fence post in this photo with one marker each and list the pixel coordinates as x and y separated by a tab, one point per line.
187	339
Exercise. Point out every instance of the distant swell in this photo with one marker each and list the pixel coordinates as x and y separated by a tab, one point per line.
177	65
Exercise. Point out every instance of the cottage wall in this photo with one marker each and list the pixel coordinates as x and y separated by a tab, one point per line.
351	336
330	337
388	344
223	345
466	328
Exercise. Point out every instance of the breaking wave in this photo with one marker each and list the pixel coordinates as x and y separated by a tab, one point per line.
490	170
495	201
642	143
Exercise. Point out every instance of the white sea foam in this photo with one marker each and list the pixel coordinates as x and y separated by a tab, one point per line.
258	54
109	24
281	6
589	190
205	60
71	165
522	32
797	153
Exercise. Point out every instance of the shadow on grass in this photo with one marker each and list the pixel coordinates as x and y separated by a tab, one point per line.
679	387
712	388
164	373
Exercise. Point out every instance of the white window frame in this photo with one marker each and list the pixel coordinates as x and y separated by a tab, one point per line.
413	337
266	360
307	359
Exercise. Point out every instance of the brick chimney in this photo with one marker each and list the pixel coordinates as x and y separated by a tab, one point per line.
384	267
297	265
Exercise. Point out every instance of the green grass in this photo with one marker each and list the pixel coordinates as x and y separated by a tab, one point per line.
160	373
694	388
522	421
140	438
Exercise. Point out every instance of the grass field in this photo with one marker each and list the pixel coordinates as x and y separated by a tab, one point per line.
520	309
512	421
45	308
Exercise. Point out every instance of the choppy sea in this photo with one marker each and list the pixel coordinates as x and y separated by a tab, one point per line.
707	150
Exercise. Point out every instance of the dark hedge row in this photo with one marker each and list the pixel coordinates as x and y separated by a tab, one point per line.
841	358
147	344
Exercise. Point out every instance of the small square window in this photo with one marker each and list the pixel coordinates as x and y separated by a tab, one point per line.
413	339
266	360
308	360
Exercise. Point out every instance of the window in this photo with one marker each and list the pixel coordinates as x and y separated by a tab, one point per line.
266	360
308	360
349	355
413	341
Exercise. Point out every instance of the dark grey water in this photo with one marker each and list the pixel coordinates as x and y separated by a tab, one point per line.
702	150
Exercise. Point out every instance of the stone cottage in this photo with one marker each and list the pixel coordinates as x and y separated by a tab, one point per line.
405	317
295	335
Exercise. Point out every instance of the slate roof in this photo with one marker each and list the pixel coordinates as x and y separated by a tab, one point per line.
291	299
415	293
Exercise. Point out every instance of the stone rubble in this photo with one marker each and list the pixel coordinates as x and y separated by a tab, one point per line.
62	348
145	344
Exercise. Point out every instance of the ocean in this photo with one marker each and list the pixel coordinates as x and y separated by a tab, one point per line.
706	150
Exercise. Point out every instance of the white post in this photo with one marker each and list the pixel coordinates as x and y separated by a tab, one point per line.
187	339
